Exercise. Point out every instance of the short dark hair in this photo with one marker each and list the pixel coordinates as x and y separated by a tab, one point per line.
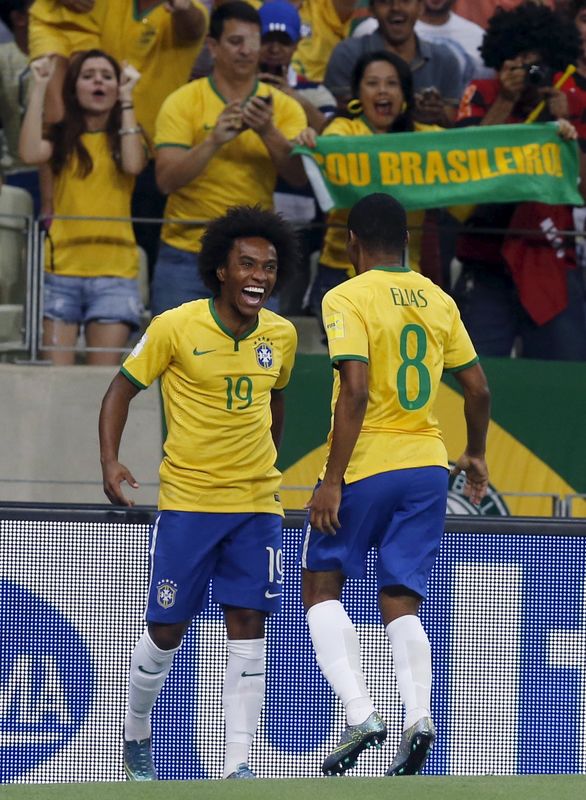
246	222
380	223
530	27
236	10
404	121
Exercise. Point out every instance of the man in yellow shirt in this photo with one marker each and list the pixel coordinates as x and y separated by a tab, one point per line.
220	141
391	333
222	363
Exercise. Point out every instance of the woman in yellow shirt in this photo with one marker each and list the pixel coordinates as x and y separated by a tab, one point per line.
384	104
94	153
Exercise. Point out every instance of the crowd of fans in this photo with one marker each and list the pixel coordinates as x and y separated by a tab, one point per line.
179	110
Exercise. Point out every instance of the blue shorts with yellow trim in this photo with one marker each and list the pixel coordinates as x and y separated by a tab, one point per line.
240	553
401	513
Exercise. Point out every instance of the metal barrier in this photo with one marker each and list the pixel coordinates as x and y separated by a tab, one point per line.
35	237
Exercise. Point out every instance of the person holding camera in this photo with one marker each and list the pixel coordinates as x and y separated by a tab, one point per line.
519	291
221	141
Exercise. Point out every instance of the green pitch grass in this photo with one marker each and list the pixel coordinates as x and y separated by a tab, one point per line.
530	787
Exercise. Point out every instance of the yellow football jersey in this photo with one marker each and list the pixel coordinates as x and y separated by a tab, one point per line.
241	172
334	246
218	455
92	248
148	43
53	28
408	331
321	29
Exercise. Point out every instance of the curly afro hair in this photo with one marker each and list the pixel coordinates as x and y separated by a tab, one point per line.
530	27
247	222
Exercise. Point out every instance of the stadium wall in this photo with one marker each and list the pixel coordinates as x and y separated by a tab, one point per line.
505	616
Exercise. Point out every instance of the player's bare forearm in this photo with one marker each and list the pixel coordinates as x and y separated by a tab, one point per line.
348	418
113	416
476	407
477	415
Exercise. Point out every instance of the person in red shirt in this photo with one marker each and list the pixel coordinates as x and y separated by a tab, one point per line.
521	293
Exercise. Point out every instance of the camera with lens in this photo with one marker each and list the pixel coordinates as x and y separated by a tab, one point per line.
538	75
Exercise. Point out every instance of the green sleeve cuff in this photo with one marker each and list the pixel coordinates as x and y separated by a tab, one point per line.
463	366
173	144
349	357
132	379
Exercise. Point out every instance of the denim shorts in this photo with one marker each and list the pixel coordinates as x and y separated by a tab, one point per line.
82	300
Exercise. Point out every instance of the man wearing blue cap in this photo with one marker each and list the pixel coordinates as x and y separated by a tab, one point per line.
280	34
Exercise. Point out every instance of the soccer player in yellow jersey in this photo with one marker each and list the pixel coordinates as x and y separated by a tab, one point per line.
221	141
391	333
222	363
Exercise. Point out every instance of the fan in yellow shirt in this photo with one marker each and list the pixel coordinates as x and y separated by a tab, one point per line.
220	141
382	86
91	264
223	363
324	24
160	40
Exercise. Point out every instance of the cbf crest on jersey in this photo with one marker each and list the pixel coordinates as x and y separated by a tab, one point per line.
264	352
166	593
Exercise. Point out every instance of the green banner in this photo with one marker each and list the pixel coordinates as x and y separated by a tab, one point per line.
461	166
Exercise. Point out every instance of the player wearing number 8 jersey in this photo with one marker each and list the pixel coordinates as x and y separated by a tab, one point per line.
391	334
222	363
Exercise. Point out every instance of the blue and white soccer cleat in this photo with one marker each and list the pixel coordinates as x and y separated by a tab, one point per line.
242	772
353	741
138	761
414	748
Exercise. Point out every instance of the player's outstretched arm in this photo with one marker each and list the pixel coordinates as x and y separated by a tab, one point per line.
113	416
477	413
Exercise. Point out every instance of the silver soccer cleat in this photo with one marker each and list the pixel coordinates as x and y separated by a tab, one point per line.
242	772
414	748
354	740
138	761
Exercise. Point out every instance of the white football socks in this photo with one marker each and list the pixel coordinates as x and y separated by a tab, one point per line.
242	698
149	666
412	660
337	650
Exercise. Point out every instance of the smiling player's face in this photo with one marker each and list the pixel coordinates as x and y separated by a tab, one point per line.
248	277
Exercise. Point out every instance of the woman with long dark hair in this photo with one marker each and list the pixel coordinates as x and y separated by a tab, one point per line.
94	153
383	103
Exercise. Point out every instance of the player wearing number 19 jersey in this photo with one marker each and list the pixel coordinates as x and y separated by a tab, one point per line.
218	455
391	334
222	364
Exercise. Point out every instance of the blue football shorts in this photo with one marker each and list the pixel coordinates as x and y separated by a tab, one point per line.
240	553
401	513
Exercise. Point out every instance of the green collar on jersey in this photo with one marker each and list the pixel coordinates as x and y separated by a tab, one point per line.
403	268
226	330
221	96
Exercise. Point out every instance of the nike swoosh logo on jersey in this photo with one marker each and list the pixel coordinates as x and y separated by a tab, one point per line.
197	352
270	595
250	674
148	671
